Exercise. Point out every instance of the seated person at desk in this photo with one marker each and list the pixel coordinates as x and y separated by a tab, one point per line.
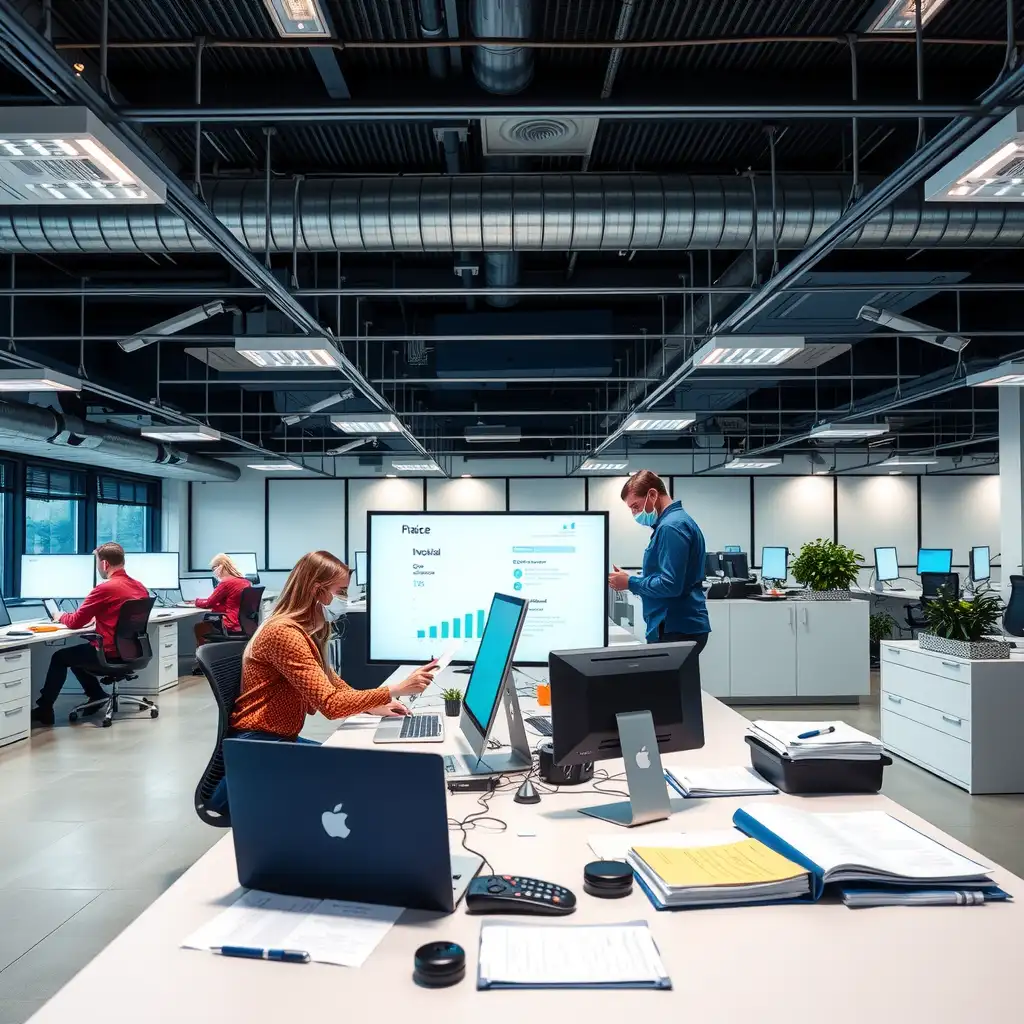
104	605
226	598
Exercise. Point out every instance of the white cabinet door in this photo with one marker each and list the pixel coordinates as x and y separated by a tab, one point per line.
714	659
762	649
832	648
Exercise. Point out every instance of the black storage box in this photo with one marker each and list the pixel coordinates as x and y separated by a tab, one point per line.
815	776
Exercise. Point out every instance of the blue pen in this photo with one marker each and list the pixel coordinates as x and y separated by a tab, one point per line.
285	956
816	732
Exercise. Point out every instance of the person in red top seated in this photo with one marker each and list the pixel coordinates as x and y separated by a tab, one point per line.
226	598
103	605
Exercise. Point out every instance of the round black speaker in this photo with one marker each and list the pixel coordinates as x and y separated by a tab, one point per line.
570	775
607	879
439	964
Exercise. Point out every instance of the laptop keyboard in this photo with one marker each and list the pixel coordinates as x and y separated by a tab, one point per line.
540	724
421	727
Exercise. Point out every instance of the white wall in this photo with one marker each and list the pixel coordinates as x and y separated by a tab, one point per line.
879	511
466	495
318	505
364	496
546	495
788	511
960	513
228	517
626	540
721	506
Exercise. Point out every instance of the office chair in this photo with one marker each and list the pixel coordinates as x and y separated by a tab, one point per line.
222	665
248	617
1013	613
134	652
931	584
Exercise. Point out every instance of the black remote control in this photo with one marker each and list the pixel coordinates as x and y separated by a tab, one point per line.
513	894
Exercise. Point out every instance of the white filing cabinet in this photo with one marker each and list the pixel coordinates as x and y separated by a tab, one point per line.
715	659
832	650
162	672
959	719
762	648
15	695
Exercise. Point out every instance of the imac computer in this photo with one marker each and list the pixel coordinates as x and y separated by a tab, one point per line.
981	564
491	684
735	565
246	564
633	703
195	587
155	570
59	576
934	560
774	563
887	567
360	578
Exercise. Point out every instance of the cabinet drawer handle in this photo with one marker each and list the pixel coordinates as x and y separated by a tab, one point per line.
894	651
12	657
13	682
952	664
13	711
952	721
895	700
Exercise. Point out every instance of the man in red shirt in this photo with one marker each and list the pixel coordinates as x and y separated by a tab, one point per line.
102	605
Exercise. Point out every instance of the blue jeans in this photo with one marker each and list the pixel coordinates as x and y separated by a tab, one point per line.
218	802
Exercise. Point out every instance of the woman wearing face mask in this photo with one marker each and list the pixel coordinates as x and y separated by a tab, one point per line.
285	675
225	599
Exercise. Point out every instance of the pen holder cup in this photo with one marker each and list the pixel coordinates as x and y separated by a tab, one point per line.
819	776
544	695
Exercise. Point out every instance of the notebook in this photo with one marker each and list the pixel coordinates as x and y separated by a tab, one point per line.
710	782
843	744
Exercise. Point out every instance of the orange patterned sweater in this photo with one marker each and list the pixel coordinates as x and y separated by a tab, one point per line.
284	679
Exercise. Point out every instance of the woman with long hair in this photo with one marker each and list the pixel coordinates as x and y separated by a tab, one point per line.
225	599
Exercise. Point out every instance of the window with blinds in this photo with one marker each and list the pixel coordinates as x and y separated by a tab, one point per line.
124	492
44	482
124	511
54	507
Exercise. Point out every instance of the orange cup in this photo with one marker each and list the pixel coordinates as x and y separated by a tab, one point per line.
543	695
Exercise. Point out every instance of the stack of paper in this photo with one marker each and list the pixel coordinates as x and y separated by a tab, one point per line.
706	782
843	744
743	871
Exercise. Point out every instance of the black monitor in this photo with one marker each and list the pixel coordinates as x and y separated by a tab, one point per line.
735	564
5	615
933	583
713	564
981	564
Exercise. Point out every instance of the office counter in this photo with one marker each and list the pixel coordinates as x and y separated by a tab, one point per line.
770	963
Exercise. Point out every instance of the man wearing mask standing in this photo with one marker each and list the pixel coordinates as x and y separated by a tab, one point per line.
673	566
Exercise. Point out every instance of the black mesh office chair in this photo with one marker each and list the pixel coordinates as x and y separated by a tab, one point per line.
222	665
248	618
133	653
1013	613
931	584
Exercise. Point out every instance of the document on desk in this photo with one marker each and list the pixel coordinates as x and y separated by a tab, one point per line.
516	955
617	846
331	931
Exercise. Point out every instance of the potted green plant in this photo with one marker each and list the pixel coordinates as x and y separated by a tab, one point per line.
960	628
880	627
828	569
452	701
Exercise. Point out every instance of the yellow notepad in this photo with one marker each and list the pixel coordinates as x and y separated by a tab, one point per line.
746	862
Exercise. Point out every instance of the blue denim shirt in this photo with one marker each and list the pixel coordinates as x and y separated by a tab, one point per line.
673	572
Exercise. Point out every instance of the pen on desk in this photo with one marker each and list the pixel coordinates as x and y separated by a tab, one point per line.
285	956
816	732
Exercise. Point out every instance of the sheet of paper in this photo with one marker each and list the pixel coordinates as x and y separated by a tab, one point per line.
331	931
445	657
746	862
739	780
618	844
598	955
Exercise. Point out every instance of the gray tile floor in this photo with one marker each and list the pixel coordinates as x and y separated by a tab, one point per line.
96	823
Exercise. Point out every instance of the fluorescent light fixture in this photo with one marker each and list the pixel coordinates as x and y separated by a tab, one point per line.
597	466
481	433
850	431
391	476
290	352
303	18
911	460
275	467
324	403
182	432
990	170
366	423
899	15
916	329
652	422
174	324
466	476
752	463
347	446
408	466
743	351
37	380
1005	375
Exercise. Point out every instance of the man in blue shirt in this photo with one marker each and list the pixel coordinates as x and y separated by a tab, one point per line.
673	567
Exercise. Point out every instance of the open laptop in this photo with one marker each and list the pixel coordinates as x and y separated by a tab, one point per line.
335	823
422	727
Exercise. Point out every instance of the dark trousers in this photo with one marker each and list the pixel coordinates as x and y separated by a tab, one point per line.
700	639
218	802
83	662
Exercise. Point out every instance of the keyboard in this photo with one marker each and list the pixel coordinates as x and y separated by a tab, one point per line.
541	724
421	727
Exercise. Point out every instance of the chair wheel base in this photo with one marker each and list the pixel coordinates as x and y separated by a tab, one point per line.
154	712
107	723
73	717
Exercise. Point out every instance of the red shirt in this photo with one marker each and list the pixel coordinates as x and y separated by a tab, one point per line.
225	599
104	605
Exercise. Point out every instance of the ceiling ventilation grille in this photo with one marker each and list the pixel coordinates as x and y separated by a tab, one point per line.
551	136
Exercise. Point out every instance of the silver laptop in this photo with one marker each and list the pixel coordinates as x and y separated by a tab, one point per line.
426	727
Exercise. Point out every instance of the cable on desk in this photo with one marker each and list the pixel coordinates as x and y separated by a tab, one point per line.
474	820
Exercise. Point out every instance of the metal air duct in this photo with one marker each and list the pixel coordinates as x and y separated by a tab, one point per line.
551	213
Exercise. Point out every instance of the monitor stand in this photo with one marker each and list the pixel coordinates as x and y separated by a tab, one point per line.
645	778
498	762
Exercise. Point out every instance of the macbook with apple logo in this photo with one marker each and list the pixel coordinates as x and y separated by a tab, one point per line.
369	826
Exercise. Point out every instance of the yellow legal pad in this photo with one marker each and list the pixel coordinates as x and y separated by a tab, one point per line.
746	862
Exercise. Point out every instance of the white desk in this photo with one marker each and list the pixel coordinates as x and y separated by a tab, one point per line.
940	965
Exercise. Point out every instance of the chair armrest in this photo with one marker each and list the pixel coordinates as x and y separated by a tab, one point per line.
89	636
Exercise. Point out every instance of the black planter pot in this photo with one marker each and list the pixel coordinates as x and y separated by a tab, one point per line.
453	708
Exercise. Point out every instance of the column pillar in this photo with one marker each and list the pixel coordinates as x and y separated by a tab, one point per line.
1011	482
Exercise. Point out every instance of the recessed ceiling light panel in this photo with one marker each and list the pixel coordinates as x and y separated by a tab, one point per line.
990	170
366	423
734	352
409	466
275	467
848	431
302	19
752	463
290	353
37	380
182	432
901	15
651	422
598	466
1006	375
911	460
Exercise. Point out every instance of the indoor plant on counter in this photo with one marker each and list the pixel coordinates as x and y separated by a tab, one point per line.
827	568
880	627
960	628
452	701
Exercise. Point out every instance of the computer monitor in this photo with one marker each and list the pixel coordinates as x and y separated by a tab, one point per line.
57	575
887	565
934	560
491	683
245	561
774	563
981	564
195	587
360	576
5	615
155	570
635	703
735	565
732	549
713	564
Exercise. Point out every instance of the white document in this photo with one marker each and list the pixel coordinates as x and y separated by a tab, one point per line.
616	846
330	931
598	956
844	743
737	781
445	658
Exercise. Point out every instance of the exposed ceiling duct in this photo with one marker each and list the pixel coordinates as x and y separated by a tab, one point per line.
555	213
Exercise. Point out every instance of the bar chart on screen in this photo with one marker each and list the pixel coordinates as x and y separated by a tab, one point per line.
463	627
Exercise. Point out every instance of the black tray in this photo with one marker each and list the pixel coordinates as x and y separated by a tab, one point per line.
817	775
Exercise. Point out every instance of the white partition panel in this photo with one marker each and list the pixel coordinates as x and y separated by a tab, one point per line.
304	515
789	511
555	495
466	495
879	512
960	512
720	506
227	517
398	495
626	540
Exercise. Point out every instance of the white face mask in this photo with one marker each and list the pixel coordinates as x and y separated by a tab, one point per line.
335	609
